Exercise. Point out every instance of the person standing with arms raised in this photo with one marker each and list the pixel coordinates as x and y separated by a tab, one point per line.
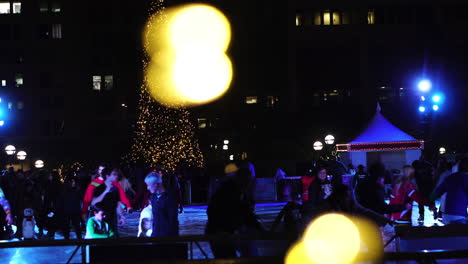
89	194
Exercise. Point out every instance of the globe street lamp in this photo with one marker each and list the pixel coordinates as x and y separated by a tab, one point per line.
39	164
10	151
329	140
442	151
21	155
318	145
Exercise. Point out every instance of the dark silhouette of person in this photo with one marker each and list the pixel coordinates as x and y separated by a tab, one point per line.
231	211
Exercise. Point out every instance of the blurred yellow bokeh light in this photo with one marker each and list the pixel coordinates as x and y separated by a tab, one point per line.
297	254
330	239
200	25
189	65
202	76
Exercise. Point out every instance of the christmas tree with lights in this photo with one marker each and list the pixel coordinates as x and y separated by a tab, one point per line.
163	135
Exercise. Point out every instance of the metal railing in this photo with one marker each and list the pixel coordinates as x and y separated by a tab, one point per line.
420	257
192	241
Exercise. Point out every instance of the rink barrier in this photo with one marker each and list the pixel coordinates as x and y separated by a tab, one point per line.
426	255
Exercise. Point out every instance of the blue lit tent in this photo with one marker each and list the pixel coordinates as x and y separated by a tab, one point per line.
381	141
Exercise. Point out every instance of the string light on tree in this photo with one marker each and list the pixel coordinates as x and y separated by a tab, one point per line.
162	135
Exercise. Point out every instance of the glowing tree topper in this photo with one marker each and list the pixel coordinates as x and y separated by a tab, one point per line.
189	65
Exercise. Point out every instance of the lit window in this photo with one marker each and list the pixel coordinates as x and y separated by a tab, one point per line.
56	31
317	18
202	122
16	7
251	100
3	83
370	17
271	100
108	82
43	7
18	80
326	18
244	155
225	147
97	83
298	20
336	18
4	7
56	8
20	105
231	157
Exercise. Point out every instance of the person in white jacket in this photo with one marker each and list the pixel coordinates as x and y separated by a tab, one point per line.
145	225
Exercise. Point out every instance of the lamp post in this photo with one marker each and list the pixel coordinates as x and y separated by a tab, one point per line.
318	145
430	102
329	140
329	146
442	151
21	155
10	150
39	164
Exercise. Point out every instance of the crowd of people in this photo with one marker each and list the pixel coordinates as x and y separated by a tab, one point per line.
96	205
41	203
392	196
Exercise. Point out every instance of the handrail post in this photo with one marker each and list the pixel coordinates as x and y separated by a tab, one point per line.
191	249
83	254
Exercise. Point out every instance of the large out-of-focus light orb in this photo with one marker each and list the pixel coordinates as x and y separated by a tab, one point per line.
297	254
189	65
201	75
199	25
332	239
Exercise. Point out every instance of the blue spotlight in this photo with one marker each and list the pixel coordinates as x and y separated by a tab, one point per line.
423	98
436	98
435	107
424	85
422	109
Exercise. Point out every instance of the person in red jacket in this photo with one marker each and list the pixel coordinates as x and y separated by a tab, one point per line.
90	192
405	192
306	180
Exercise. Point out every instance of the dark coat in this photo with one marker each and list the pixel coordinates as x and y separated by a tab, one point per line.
165	215
371	195
229	210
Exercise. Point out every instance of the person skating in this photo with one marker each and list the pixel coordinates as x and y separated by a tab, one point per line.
89	194
164	207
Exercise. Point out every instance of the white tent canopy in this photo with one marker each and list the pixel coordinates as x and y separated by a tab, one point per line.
382	141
